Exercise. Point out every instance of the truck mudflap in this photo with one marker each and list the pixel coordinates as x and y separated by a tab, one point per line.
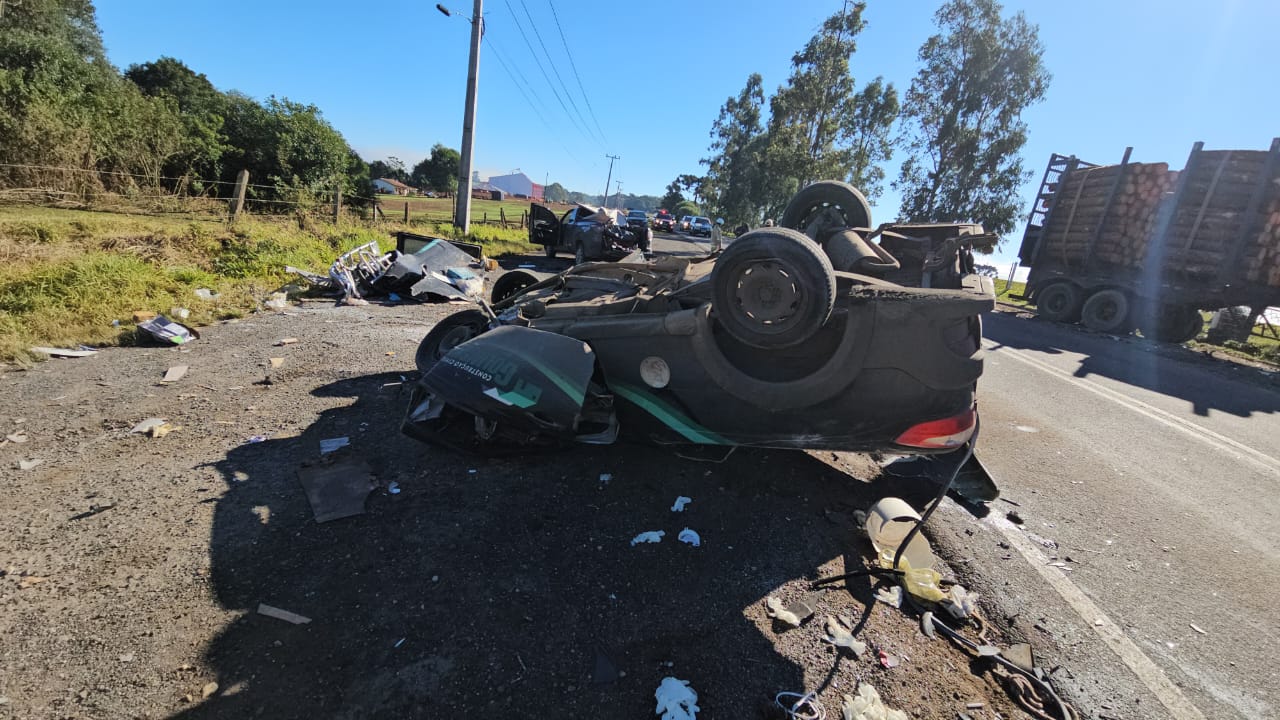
515	378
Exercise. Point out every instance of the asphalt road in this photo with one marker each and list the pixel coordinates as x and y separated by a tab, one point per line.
1151	476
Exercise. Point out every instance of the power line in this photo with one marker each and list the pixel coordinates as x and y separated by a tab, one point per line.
527	99
545	76
576	76
552	63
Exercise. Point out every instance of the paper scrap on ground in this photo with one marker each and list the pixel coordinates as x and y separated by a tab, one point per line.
652	536
286	341
332	444
63	352
174	374
891	595
277	613
867	705
680	503
774	608
960	602
690	537
29	464
277	362
155	427
676	700
17	437
338	490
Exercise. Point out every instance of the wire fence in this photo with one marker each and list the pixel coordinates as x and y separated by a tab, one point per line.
150	197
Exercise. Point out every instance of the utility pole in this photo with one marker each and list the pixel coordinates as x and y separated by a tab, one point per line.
617	197
605	198
462	204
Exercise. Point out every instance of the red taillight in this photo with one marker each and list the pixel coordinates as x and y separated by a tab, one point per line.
940	434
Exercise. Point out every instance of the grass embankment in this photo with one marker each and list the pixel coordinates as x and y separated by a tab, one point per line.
69	274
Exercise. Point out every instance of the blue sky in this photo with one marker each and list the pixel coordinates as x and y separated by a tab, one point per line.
1157	75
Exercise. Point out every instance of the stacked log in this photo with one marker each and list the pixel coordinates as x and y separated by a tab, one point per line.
1211	215
1263	254
1127	222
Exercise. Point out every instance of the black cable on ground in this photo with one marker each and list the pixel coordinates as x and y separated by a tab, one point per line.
942	493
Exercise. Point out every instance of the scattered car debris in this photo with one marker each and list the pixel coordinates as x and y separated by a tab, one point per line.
804	707
94	509
154	427
276	362
421	268
1020	654
174	374
890	595
605	478
680	503
338	490
960	602
286	341
926	625
867	705
795	613
16	437
277	613
167	331
652	536
334	444
676	700
63	352
689	537
255	439
29	464
207	294
1198	629
29	581
277	301
839	632
208	690
888	661
393	487
180	312
1014	517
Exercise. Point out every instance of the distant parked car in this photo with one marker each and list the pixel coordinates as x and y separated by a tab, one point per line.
638	221
683	225
664	221
700	226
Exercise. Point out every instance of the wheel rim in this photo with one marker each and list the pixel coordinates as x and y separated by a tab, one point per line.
821	217
453	339
1107	311
1056	301
767	293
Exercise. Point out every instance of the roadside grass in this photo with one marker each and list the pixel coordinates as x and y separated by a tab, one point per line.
424	208
72	275
1005	291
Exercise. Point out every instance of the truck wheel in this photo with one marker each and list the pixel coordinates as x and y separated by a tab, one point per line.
825	206
1172	324
448	334
550	250
1059	302
1106	311
772	288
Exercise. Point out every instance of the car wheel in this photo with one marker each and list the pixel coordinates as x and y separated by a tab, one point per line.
1106	311
1059	302
772	288
579	254
825	206
510	284
550	250
448	334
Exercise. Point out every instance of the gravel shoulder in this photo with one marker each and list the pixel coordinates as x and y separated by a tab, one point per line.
133	566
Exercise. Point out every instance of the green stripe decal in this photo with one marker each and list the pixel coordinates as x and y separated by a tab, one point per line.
670	416
566	386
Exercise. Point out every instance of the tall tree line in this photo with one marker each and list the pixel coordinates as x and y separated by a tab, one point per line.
157	126
960	125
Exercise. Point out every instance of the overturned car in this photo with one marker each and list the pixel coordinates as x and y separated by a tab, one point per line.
821	334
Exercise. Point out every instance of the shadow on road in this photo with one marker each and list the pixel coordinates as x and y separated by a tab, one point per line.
1205	384
503	588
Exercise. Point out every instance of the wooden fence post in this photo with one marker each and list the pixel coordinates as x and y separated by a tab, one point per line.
486	218
406	212
237	200
337	204
502	216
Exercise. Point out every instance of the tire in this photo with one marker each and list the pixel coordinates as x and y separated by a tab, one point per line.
579	254
1106	311
511	283
1060	302
1172	324
550	250
825	206
448	334
772	288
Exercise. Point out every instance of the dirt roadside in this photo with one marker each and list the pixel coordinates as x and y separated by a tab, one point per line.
485	588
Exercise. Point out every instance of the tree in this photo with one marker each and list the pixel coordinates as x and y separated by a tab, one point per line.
555	192
201	108
866	133
439	171
393	168
964	112
731	185
686	207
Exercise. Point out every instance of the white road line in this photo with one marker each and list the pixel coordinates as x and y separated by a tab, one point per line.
1219	442
1147	671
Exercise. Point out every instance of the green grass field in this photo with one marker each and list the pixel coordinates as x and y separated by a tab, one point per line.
423	208
69	274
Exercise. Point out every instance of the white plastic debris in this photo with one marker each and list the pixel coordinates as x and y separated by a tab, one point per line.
278	301
393	487
867	705
147	425
841	636
690	537
332	444
652	536
29	464
676	700
680	503
605	478
774	608
960	602
891	595
206	294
